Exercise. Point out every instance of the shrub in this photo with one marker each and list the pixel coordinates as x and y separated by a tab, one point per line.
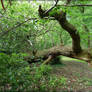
16	75
44	81
14	72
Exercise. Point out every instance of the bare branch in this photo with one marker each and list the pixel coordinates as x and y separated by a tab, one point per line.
2	2
78	5
51	7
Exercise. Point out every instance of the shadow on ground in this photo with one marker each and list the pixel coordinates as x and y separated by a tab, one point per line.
78	74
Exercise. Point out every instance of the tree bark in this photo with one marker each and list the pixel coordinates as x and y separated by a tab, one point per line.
49	54
74	52
61	18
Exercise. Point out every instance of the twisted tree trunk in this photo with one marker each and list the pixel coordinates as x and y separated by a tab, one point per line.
74	52
61	18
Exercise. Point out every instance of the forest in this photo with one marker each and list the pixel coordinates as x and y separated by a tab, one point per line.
45	46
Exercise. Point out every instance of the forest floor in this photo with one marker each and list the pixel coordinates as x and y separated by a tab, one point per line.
78	74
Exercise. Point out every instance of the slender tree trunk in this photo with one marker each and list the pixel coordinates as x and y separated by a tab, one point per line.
82	9
88	32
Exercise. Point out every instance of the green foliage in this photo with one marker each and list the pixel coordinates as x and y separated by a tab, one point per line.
87	81
42	33
57	82
14	72
14	21
16	75
56	10
43	70
44	81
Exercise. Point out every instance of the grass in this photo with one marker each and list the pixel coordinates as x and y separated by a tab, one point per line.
63	58
77	72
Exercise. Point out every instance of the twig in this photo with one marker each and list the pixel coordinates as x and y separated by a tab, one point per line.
51	8
78	5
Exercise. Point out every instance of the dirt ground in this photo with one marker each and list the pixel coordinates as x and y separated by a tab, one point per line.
78	74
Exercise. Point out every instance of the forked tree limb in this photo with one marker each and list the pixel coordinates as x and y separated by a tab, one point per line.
2	3
47	11
61	18
49	54
47	60
76	50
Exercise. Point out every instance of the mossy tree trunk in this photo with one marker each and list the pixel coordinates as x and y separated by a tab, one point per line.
61	18
74	52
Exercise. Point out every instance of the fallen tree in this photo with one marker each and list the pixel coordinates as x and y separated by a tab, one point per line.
49	54
53	52
75	51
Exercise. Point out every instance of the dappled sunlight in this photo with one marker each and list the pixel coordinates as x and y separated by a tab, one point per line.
45	46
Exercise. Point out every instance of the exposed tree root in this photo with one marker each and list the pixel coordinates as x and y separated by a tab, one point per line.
47	60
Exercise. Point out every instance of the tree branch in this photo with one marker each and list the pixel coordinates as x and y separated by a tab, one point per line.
78	5
46	12
55	51
61	18
2	3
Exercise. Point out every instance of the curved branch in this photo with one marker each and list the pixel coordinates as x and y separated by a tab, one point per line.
61	18
78	5
56	2
2	5
47	60
71	30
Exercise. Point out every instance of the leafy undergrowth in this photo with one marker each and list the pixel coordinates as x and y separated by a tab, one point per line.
17	76
77	73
